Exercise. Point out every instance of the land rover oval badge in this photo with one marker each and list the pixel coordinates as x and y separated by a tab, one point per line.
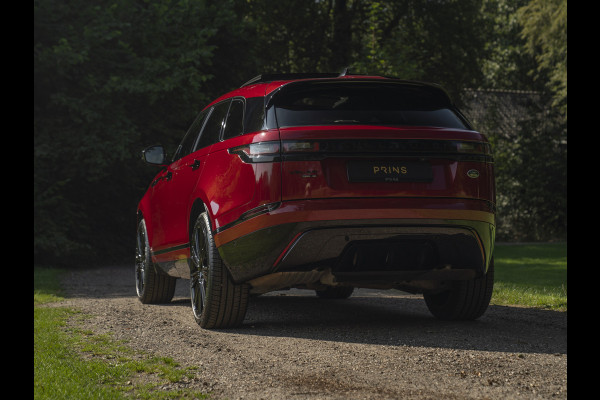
473	173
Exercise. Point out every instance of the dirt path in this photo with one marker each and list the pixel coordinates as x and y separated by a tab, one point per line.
375	345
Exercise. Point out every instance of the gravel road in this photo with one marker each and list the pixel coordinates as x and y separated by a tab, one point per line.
374	345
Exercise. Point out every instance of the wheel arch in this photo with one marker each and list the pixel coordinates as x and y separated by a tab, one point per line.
143	212
198	207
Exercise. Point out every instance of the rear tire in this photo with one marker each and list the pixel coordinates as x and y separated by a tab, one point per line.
335	292
217	302
466	300
151	287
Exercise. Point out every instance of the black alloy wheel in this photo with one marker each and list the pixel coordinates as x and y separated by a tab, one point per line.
141	258
199	270
151	287
217	302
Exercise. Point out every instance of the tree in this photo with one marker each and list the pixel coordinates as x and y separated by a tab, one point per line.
441	42
109	78
528	53
545	32
506	66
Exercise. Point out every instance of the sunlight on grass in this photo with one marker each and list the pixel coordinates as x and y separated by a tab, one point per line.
70	363
533	275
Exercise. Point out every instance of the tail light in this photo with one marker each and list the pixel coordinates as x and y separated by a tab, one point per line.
473	147
258	152
300	146
273	151
318	149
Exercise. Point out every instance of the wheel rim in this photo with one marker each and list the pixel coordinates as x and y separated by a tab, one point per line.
141	259
198	281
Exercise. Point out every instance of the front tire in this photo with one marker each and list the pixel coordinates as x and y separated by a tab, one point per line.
217	302
151	287
466	300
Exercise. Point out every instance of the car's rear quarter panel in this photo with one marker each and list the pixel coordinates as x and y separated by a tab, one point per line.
234	187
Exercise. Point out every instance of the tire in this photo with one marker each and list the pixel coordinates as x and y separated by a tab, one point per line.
151	287
466	300
217	302
335	292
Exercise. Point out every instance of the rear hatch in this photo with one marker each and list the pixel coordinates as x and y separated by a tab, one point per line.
377	138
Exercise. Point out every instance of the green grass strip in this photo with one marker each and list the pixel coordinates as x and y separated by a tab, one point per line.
70	363
531	275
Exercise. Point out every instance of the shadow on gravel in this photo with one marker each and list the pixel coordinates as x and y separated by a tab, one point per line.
389	318
404	321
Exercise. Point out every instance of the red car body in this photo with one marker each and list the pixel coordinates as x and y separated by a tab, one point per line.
338	204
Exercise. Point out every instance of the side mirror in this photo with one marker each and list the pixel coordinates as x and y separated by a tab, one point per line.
154	155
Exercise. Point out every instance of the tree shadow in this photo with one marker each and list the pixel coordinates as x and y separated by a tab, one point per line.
378	317
394	318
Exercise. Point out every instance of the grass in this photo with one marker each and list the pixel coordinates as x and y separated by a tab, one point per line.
46	286
70	363
532	275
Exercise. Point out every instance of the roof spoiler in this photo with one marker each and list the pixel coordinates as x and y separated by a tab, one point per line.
298	75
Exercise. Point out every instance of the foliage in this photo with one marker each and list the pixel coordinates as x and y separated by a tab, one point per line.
545	31
111	77
530	149
532	178
506	66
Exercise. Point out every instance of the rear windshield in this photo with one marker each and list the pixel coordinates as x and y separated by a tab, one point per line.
365	104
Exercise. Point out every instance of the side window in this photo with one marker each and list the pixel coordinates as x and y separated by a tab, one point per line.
254	117
234	125
190	137
212	128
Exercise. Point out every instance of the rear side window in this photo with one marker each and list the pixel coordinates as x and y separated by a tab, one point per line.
212	128
254	117
234	125
365	103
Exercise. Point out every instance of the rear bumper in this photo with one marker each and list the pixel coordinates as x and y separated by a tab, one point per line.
364	239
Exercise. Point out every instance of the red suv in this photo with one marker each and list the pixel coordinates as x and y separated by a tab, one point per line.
325	182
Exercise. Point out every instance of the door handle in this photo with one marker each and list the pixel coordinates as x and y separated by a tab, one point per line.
195	165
